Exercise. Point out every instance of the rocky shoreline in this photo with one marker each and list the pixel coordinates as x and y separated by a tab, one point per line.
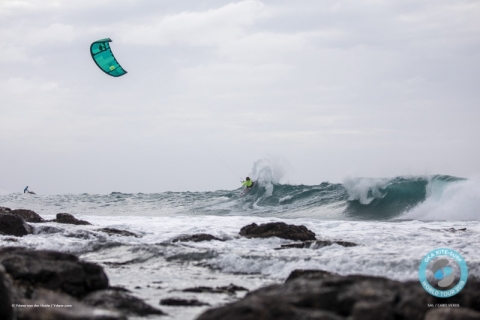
315	294
62	286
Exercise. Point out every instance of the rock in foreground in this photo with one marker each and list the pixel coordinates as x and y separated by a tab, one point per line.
14	225
117	232
52	270
452	314
6	310
277	229
182	302
28	215
199	237
120	300
49	285
333	297
71	309
69	219
230	289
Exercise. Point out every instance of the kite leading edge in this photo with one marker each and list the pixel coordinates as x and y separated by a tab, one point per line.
104	58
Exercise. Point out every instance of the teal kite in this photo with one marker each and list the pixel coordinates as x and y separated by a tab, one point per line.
103	57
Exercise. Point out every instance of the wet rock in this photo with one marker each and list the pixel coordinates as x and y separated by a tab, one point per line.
5	210
28	215
121	300
226	289
372	310
9	240
6	310
117	232
231	288
316	244
57	306
118	288
52	270
455	230
182	302
69	219
277	229
14	225
196	238
255	310
309	295
309	274
452	314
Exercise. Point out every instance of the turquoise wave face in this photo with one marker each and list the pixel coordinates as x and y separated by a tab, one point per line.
362	199
389	201
354	199
357	199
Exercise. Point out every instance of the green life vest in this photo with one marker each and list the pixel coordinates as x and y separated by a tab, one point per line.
248	183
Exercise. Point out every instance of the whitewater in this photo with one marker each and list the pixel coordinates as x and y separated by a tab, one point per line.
394	223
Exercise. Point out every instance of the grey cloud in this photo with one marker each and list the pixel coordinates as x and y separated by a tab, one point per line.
370	88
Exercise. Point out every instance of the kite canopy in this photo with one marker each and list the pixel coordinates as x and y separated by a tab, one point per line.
103	57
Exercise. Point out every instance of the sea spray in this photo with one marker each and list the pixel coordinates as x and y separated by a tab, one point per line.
455	200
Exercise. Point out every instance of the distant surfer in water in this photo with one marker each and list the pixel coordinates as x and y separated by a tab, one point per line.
27	191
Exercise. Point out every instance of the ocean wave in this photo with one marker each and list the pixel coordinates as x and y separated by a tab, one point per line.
437	197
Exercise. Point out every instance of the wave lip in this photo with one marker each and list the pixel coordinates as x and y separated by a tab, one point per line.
453	200
382	199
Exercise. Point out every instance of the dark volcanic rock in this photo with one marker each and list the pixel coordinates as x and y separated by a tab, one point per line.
6	310
277	229
52	270
117	232
116	299
338	297
372	310
182	302
455	230
69	219
452	314
196	238
309	274
14	225
316	244
71	309
28	215
226	289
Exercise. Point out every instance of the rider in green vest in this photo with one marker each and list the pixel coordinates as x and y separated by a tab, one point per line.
247	183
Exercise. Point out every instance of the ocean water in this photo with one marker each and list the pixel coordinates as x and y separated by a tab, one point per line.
395	222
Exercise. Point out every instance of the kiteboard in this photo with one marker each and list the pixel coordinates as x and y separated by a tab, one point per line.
31	192
246	190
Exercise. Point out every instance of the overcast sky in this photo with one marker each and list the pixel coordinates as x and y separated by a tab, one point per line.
364	88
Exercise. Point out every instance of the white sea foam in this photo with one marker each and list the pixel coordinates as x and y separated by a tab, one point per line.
454	201
391	249
364	189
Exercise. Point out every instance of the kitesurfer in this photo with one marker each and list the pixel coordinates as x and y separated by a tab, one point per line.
247	183
25	190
